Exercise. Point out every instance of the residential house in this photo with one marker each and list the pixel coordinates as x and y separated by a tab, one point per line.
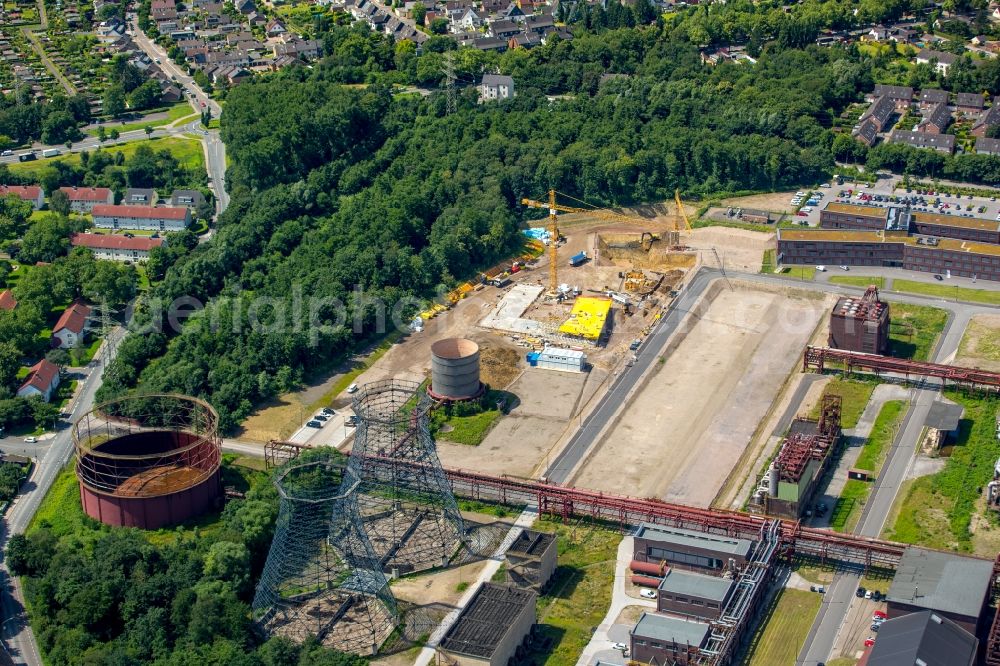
944	143
901	96
971	103
163	10
299	48
504	29
496	86
524	40
987	119
186	198
931	97
490	44
867	132
936	121
137	196
33	193
980	40
986	146
42	381
538	24
254	19
83	199
275	28
245	6
146	218
877	34
940	60
469	21
117	247
8	302
72	324
881	111
512	13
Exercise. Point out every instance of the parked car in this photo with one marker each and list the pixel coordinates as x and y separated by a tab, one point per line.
870	641
30	440
821	269
314	424
860	594
844	268
648	594
619	646
353	388
8	153
320	417
938	278
328	411
868	594
351	421
874	627
879	615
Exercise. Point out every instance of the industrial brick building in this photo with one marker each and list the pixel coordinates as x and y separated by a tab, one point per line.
860	324
660	640
791	481
687	549
492	627
917	253
531	559
953	586
693	594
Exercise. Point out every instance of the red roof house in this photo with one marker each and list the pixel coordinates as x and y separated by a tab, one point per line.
7	300
32	193
42	380
69	330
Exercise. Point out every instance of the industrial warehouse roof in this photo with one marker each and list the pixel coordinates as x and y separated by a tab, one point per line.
923	638
856	209
696	585
828	236
671	629
487	619
588	317
944	416
530	542
941	581
716	542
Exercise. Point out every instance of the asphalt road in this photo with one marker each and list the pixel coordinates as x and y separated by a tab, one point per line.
18	638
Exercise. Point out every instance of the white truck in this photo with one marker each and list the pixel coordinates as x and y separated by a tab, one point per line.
51	152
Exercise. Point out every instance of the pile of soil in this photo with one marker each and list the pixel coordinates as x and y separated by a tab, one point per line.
499	365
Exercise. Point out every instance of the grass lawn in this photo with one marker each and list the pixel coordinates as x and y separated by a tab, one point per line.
914	330
469	430
187	151
83	356
800	272
937	510
948	292
768	263
858	280
784	629
852	499
61	511
580	592
854	395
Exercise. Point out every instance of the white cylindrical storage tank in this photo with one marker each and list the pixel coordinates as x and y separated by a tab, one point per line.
773	480
455	369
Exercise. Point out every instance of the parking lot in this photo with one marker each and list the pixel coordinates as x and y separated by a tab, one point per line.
925	201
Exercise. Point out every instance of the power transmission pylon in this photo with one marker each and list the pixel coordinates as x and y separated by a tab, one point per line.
450	78
107	326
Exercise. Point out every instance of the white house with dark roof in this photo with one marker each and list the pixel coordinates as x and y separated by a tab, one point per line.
941	60
496	86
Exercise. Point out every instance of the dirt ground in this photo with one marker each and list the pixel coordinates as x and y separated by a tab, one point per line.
524	439
980	346
438	586
686	428
738	249
776	202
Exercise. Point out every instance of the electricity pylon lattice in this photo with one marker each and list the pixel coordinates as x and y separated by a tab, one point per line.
322	577
408	508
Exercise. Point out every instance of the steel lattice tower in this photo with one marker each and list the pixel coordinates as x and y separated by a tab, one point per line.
322	577
409	510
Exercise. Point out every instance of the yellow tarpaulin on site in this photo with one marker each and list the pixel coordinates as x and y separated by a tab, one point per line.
588	318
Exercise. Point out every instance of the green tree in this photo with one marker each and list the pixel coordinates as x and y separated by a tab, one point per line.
59	202
439	26
46	239
10	363
43	413
112	283
114	134
17	555
228	562
418	13
114	101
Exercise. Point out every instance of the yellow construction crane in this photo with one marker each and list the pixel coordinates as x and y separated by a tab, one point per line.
554	228
680	210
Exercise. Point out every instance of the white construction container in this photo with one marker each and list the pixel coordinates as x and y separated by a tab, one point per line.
567	360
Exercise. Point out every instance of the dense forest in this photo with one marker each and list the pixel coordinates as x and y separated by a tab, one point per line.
335	188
